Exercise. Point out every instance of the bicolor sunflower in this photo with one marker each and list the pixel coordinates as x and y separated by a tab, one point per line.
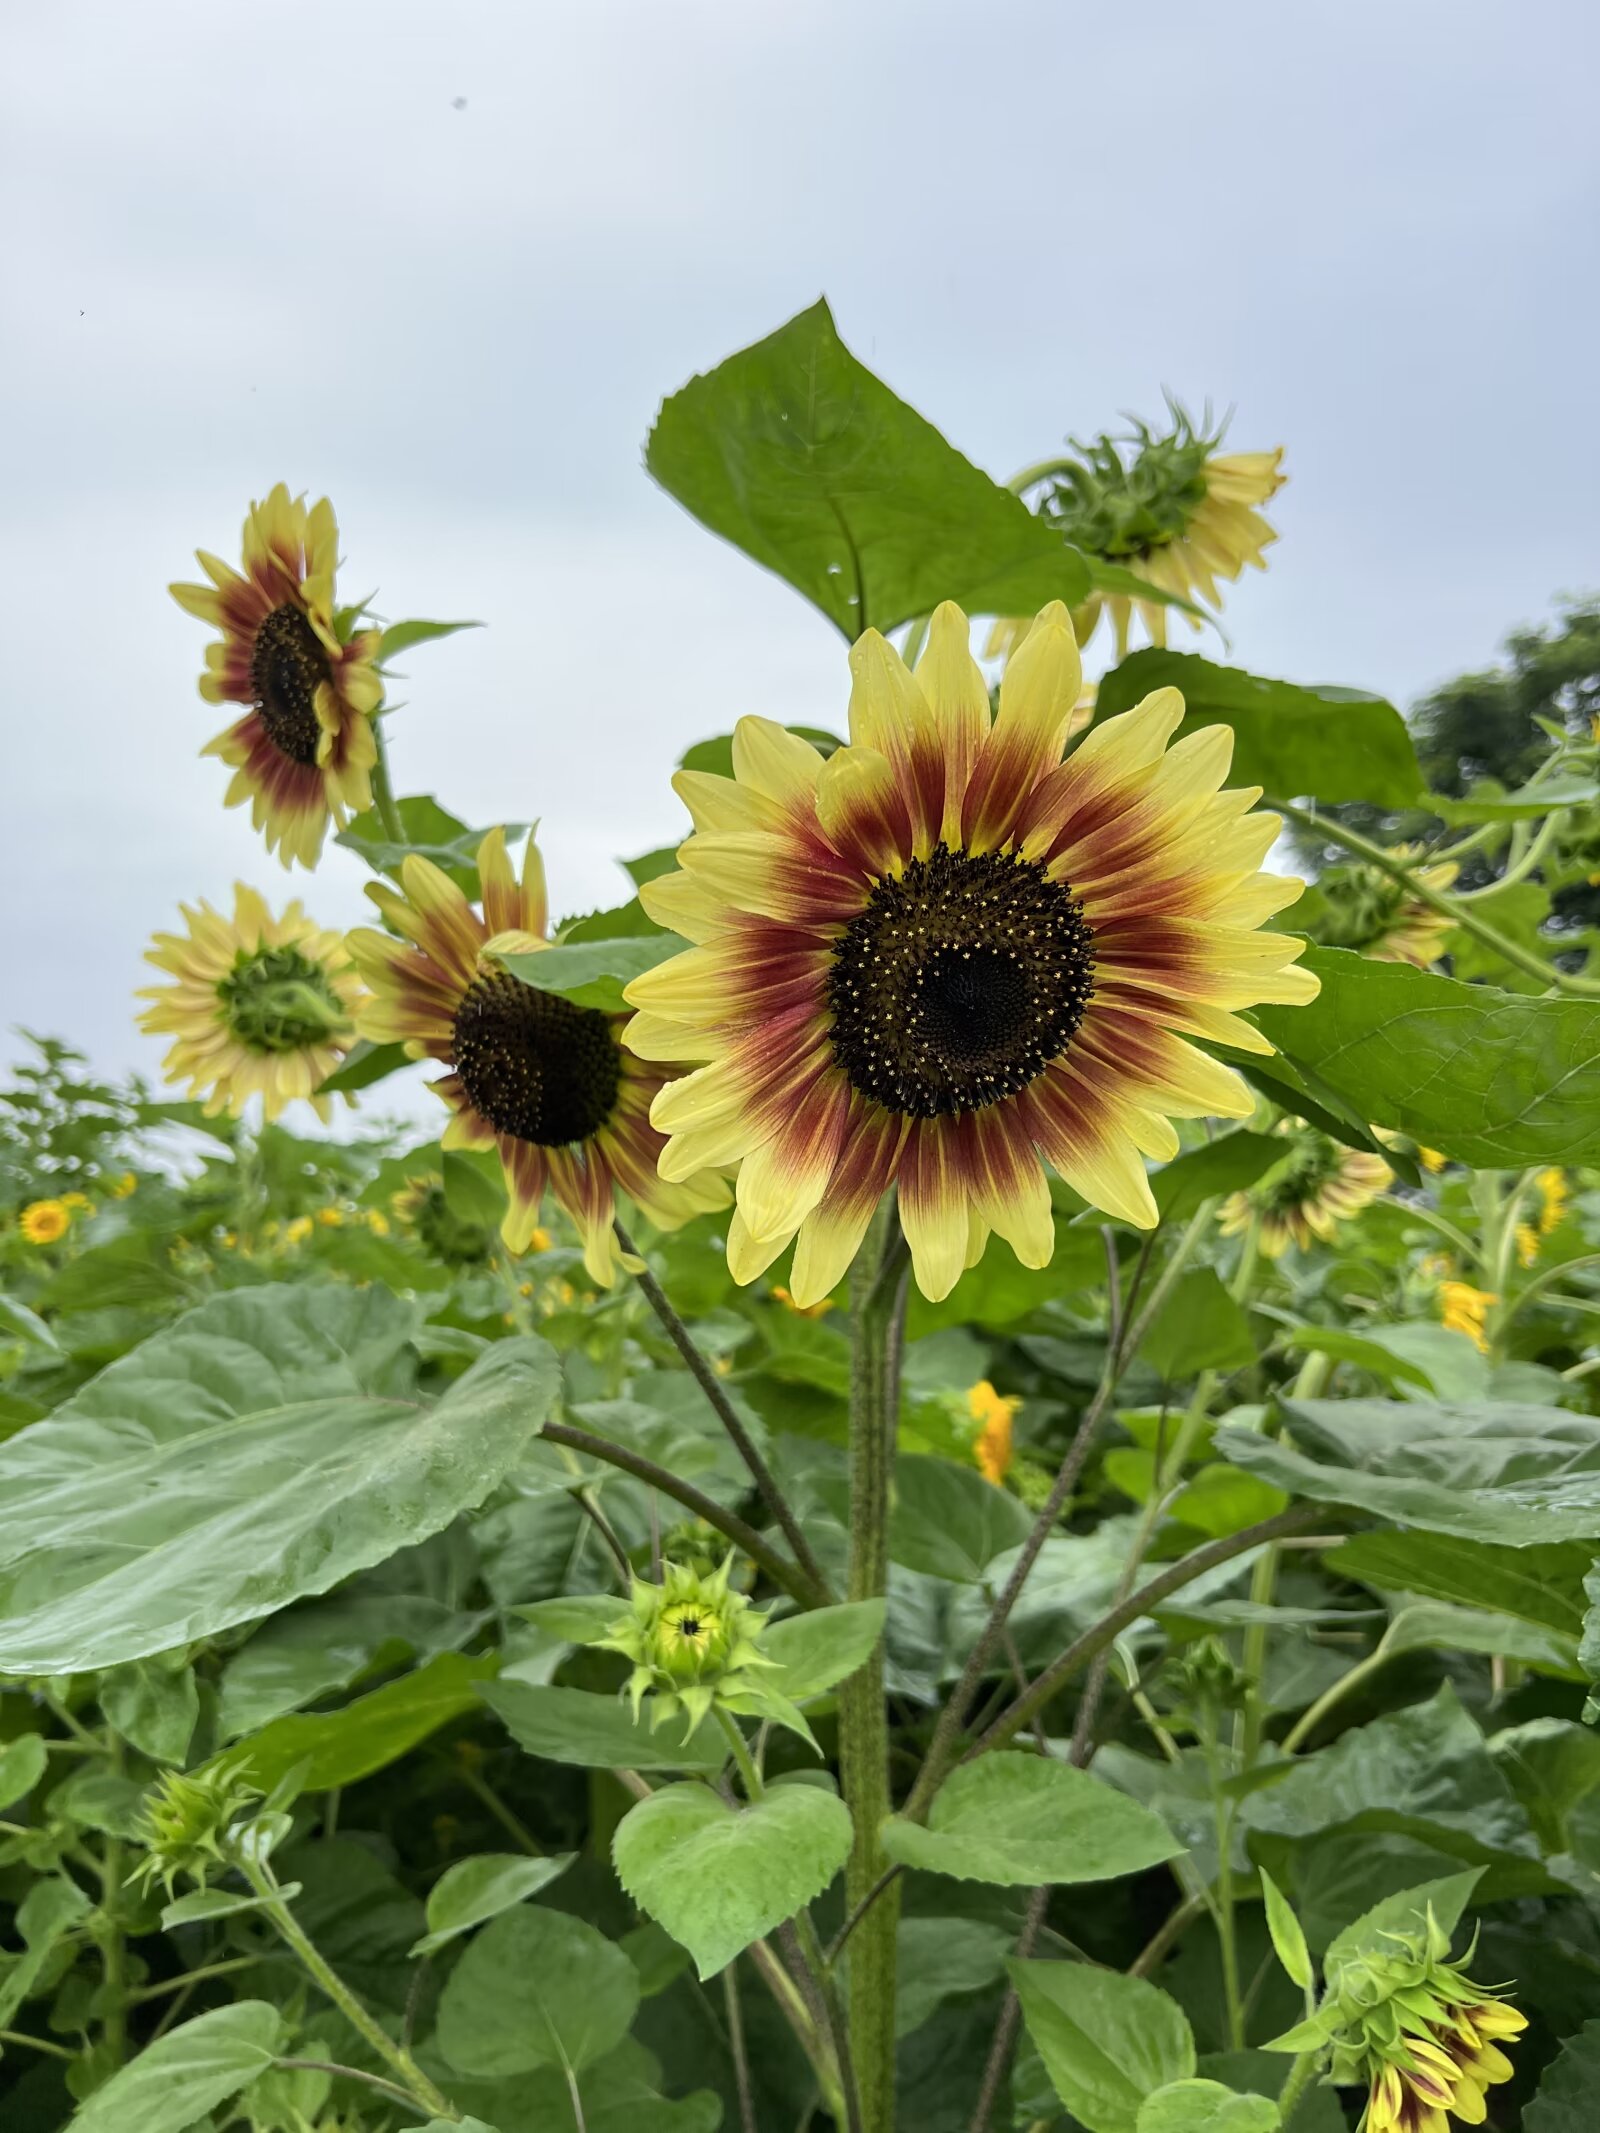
1168	508
1318	1184
943	958
1367	909
304	751
545	1082
260	1006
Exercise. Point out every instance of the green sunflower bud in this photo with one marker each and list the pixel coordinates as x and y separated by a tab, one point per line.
693	1642
187	1823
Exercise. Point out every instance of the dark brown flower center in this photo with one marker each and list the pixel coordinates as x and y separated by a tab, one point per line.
287	667
533	1064
959	983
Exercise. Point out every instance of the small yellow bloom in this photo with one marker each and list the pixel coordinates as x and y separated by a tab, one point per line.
125	1186
1431	1159
994	1448
1527	1243
1554	1195
46	1221
819	1309
297	1231
1464	1309
330	1217
524	1288
230	1240
377	1222
79	1202
539	1240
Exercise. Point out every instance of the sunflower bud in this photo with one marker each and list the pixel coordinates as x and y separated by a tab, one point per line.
1417	2033
187	1821
692	1640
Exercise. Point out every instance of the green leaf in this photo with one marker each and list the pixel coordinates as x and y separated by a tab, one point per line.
23	1762
576	1617
536	1988
459	2125
820	1649
1487	805
1107	2041
1552	1766
475	1890
1513	1475
720	1877
1539	1584
944	1959
595	1732
1021	1820
18	1323
309	1652
593	973
154	1704
180	2077
1495	1079
1366	1352
401	636
365	1065
265	1446
794	452
1335	744
1206	2107
427	829
629	921
339	1747
1565	2102
201	1906
949	1522
52	1908
1424	1772
1228	1164
474	1185
1405	1912
1199	1327
1287	1938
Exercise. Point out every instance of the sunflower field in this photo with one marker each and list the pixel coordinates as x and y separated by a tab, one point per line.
959	1488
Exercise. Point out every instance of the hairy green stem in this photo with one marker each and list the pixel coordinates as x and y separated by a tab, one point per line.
726	1413
877	1299
383	791
1299	2079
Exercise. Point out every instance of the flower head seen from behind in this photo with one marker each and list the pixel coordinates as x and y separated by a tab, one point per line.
45	1221
993	1448
1364	908
258	1006
546	1083
1167	507
303	752
1464	1309
693	1641
1318	1184
943	958
1417	2033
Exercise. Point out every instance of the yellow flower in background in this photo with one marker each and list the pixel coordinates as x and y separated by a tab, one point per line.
125	1187
304	751
377	1222
816	1310
1554	1193
260	1006
1528	1241
1431	1160
944	958
45	1221
1169	509
994	1448
298	1229
331	1217
78	1203
1368	910
1319	1184
1464	1309
534	1076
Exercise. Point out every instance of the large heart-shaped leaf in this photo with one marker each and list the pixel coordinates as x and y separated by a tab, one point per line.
719	1877
536	1988
175	2081
1022	1820
597	1732
796	453
1107	2041
264	1447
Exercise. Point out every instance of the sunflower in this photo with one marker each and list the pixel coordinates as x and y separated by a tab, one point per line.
942	954
1169	509
306	747
537	1077
1464	1309
1318	1184
262	1006
994	1447
45	1221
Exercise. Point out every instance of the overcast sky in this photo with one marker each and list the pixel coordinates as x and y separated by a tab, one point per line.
442	262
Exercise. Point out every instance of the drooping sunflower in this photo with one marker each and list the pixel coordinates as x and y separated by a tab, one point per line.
1169	508
1318	1184
1464	1309
261	1006
944	957
545	1082
304	750
994	1447
1364	908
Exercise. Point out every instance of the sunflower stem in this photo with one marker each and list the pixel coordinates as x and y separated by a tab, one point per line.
726	1413
383	791
877	1297
1467	919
